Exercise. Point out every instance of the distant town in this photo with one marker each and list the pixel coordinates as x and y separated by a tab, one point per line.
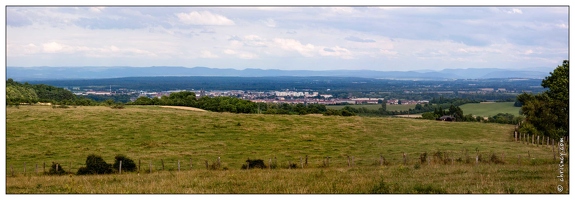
286	96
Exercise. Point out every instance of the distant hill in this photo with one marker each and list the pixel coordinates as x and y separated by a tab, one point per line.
86	72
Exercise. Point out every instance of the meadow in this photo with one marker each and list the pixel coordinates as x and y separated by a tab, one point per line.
489	109
164	136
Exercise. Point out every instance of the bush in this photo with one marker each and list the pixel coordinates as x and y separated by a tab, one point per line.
258	163
95	165
53	170
423	157
127	163
495	159
117	106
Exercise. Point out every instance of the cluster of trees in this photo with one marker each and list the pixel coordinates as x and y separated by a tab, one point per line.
547	113
454	111
186	98
230	104
17	93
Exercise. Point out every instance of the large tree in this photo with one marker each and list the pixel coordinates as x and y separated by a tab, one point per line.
548	113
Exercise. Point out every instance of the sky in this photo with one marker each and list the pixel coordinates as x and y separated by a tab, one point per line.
389	38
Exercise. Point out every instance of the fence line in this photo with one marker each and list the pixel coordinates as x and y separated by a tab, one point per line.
403	158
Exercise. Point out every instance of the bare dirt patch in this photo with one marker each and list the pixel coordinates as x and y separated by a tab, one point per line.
185	108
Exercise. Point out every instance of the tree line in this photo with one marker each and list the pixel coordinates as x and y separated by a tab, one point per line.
547	113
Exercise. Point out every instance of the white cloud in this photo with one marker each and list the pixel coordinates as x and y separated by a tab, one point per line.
254	41
229	51
387	52
97	9
270	23
245	55
342	10
52	47
203	18
242	55
515	11
207	54
562	26
294	45
336	51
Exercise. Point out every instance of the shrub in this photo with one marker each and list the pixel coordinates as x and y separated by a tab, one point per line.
495	159
423	157
428	189
380	187
258	163
53	170
117	106
95	165
127	163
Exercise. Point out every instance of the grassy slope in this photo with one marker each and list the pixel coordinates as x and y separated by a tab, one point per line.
489	109
38	134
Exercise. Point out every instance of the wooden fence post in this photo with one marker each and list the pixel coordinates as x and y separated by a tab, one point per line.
218	162
178	165
44	168
476	159
57	167
537	141
301	162
515	135
404	159
162	164
306	160
270	166
139	164
348	161
289	164
247	164
120	167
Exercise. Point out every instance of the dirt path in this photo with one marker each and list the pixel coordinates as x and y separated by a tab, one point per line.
185	108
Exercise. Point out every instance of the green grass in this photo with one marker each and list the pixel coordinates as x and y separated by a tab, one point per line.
489	109
376	107
38	134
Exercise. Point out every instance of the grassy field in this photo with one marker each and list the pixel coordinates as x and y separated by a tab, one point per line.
37	134
489	109
376	107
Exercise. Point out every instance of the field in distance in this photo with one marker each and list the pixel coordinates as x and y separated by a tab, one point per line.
164	136
489	109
